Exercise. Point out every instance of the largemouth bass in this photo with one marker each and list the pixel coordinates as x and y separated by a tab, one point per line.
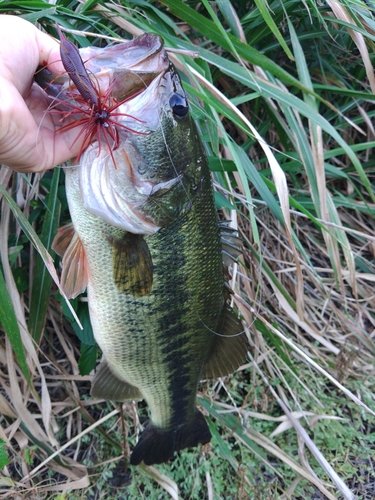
146	242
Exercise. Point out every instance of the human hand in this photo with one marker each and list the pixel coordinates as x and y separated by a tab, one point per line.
29	141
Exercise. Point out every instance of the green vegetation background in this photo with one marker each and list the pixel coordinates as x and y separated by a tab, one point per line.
283	94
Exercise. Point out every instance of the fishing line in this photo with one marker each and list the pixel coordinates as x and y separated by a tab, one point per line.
189	198
44	115
227	336
165	86
172	162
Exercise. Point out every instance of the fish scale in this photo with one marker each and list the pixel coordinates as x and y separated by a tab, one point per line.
145	354
186	293
146	241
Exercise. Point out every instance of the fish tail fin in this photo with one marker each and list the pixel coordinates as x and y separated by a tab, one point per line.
156	445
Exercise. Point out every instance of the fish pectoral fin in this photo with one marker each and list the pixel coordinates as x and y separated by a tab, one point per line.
156	445
107	386
74	276
62	239
132	265
229	349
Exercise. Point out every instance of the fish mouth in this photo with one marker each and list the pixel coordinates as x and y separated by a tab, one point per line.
116	184
137	63
125	69
143	53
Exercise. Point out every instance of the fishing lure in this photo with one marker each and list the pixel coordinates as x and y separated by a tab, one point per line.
98	111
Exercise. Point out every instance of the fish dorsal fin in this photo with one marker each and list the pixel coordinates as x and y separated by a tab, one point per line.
107	386
132	265
231	243
74	276
229	349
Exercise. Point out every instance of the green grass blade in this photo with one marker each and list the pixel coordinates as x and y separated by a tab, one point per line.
256	179
4	460
209	29
9	321
35	240
42	279
87	360
280	347
232	422
224	449
264	10
34	17
230	16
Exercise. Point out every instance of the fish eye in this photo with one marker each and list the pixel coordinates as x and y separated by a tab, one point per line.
179	105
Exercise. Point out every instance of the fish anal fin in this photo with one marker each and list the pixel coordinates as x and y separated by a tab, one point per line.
107	386
62	239
229	349
74	276
132	265
157	446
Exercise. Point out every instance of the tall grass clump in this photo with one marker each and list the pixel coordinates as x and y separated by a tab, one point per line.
283	94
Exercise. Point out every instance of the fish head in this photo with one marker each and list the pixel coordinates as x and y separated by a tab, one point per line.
171	149
155	173
150	174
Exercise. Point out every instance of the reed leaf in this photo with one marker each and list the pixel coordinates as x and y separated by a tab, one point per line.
42	282
9	322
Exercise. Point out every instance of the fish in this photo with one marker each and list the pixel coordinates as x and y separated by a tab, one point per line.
146	242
